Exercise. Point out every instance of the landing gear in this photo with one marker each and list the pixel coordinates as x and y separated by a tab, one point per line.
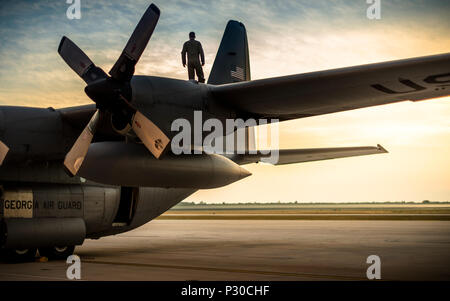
18	255
57	253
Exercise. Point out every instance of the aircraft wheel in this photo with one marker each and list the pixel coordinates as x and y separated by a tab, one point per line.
18	255
58	253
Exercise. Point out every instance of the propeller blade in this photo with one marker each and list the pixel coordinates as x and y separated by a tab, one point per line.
77	153
3	152
152	137
123	69
79	61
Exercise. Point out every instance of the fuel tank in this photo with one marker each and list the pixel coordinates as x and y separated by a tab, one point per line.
129	164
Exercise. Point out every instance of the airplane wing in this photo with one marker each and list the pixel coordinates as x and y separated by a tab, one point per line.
289	156
323	92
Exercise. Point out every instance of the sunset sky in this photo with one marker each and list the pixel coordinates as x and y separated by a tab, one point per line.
285	37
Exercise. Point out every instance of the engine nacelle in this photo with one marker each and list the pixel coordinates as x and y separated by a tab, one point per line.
120	123
130	164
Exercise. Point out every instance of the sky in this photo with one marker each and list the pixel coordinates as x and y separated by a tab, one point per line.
285	37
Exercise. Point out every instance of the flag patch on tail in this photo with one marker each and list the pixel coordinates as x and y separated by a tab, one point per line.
238	73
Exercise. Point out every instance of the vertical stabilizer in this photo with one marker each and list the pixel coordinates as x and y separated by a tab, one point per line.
232	62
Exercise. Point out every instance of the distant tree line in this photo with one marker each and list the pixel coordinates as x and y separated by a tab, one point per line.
203	203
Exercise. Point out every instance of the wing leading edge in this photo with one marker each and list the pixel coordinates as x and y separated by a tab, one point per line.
323	92
289	156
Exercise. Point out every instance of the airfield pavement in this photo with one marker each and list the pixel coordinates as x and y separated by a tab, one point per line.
257	250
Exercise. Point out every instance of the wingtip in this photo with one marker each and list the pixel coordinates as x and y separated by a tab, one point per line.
382	149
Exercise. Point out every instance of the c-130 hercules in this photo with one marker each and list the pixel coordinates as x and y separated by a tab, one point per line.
128	176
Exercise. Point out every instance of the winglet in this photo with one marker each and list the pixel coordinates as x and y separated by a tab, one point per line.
382	149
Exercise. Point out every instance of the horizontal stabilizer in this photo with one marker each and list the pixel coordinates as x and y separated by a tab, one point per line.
289	156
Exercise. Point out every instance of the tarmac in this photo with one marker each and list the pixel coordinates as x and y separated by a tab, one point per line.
257	250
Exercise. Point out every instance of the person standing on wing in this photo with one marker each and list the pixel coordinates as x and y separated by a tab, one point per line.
195	55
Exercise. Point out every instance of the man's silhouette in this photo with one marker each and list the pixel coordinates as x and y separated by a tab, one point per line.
195	54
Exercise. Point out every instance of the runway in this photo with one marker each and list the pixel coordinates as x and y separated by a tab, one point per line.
257	250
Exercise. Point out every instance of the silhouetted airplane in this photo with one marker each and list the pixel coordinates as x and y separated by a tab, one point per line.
116	184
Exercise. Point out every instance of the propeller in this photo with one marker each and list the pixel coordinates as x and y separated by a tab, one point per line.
113	93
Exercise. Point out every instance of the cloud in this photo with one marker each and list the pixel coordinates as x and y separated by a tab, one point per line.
285	37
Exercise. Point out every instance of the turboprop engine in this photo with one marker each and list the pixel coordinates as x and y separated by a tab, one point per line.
129	164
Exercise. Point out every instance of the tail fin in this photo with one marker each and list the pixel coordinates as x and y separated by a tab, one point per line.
232	62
